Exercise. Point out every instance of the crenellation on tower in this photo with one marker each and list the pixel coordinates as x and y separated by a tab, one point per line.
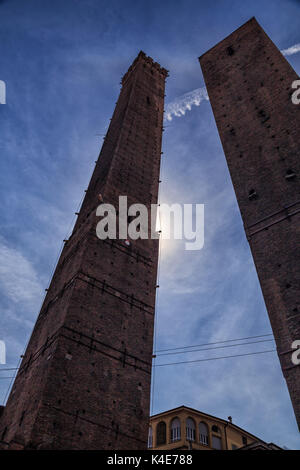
148	63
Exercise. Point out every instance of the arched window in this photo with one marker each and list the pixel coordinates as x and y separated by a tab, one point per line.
190	429
215	428
175	430
161	433
203	434
150	438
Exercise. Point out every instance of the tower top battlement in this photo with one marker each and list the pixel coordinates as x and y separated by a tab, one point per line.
142	57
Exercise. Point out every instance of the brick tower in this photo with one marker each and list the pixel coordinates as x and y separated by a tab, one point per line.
84	382
249	85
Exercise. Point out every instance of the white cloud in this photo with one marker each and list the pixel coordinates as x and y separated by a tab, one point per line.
18	278
291	50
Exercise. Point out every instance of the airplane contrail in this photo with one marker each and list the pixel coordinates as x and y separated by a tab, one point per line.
291	50
183	103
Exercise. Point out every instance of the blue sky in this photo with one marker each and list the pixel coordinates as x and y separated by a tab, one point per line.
62	63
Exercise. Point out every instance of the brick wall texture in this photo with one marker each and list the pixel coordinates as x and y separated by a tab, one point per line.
249	86
84	382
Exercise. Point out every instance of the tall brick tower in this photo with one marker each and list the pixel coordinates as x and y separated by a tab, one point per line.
84	382
249	85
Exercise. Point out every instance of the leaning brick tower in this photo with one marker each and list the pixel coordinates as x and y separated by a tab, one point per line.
84	381
249	85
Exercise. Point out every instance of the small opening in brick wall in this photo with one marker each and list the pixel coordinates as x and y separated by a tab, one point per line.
288	285
252	194
22	417
290	174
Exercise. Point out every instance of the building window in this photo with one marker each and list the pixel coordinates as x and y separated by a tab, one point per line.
161	433
216	443
190	429
175	430
215	428
150	438
244	439
203	434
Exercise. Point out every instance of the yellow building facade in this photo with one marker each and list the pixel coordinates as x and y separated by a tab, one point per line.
187	428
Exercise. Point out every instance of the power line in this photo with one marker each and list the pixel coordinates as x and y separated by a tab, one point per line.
216	347
215	358
195	350
216	342
186	362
